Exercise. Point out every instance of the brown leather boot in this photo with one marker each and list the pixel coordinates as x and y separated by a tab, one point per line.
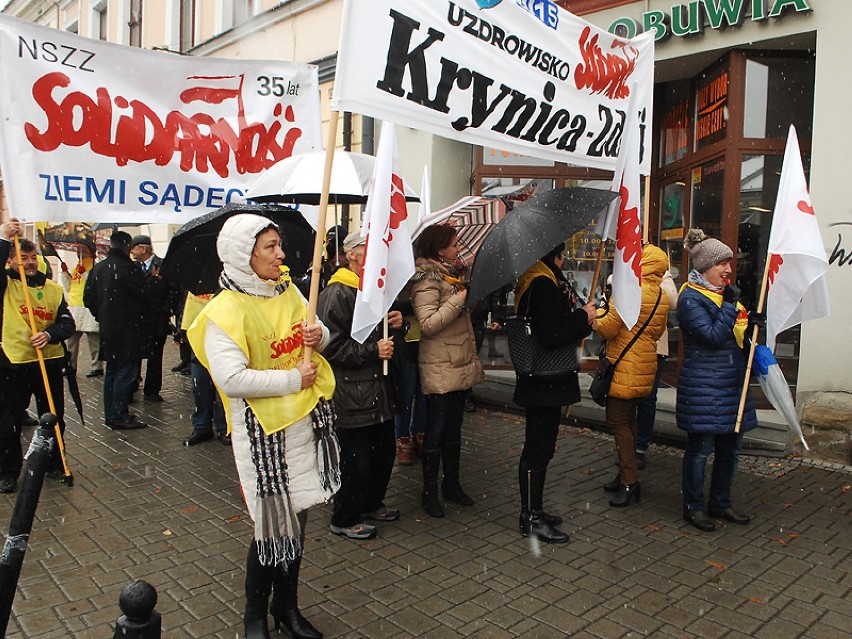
404	451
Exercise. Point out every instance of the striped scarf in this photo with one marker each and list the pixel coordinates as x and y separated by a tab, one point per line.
276	527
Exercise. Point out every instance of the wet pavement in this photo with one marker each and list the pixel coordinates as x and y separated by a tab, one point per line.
145	507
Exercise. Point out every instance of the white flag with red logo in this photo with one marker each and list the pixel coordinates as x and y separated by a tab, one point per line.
389	258
797	291
624	223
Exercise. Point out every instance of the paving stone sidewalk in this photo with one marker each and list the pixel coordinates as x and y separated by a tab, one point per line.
144	507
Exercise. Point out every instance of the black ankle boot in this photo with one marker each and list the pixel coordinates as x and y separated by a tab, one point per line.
531	525
452	491
553	520
431	505
255	628
626	494
612	487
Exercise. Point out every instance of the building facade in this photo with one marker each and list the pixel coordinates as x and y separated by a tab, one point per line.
730	77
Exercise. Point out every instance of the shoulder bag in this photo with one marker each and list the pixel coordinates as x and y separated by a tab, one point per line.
531	358
602	377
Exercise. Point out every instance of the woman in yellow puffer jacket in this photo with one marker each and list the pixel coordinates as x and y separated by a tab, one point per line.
634	375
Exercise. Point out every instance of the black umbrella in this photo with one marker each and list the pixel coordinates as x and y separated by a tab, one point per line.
529	231
192	263
73	387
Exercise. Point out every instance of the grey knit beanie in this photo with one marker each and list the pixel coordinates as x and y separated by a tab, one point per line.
705	251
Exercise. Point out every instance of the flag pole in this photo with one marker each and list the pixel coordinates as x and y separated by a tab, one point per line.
319	239
385	336
34	331
647	216
747	379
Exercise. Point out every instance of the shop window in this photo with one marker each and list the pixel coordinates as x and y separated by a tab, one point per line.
759	179
711	107
779	91
708	185
673	102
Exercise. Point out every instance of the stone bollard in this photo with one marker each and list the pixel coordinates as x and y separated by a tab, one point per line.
140	620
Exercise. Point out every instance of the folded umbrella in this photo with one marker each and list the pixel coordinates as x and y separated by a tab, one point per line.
192	262
529	231
776	389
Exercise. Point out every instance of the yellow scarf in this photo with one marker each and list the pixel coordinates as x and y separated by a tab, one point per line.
16	321
539	269
740	325
346	277
268	331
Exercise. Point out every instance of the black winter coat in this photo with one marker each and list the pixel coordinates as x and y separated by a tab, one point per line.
118	296
364	396
713	369
556	323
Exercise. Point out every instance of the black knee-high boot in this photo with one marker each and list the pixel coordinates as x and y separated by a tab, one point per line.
431	505
285	603
258	588
451	486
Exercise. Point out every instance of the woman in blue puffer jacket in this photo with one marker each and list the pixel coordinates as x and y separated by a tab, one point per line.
713	324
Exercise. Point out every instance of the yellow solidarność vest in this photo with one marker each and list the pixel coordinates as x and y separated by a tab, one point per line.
16	321
78	283
269	332
192	307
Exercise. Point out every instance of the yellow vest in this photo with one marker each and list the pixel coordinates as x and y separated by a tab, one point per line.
740	325
268	331
192	307
78	283
16	321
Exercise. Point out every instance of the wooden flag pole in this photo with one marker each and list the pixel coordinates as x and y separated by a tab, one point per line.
647	216
316	266
40	355
747	379
385	336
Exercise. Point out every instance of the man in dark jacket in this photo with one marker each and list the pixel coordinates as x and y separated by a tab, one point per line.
117	295
20	372
156	315
363	400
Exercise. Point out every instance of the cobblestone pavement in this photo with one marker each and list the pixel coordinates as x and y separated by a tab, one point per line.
144	507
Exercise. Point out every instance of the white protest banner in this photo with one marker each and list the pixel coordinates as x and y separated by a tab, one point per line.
101	132
523	76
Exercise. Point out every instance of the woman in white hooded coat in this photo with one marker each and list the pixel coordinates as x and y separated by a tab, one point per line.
251	337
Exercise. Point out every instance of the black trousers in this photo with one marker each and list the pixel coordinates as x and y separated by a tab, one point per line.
540	437
154	368
18	384
366	461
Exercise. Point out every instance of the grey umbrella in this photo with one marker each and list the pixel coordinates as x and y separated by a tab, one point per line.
529	231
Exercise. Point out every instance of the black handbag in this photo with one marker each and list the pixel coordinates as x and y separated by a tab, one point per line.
534	360
602	377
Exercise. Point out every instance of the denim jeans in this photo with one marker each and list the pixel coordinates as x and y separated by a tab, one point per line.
209	414
647	411
411	418
698	447
118	377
